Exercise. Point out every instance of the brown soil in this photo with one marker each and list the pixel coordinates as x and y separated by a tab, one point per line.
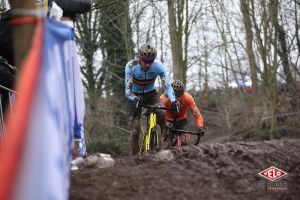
208	171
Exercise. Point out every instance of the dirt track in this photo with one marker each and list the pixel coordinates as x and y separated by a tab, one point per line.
209	171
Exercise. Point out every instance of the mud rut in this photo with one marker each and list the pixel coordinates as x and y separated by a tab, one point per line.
208	171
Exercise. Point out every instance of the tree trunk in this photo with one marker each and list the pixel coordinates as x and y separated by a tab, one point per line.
221	29
266	45
206	70
127	32
88	35
186	42
175	45
297	26
249	39
283	51
272	90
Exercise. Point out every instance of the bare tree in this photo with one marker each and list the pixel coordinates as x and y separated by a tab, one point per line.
88	37
245	9
283	48
266	45
296	8
180	23
176	40
221	27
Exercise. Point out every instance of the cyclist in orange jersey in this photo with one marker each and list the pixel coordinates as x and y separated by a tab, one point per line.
185	100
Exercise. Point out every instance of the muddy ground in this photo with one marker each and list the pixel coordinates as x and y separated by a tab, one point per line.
208	171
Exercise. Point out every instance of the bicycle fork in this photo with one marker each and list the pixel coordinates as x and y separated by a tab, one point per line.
152	122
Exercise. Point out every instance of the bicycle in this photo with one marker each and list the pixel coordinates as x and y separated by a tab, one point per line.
176	136
151	137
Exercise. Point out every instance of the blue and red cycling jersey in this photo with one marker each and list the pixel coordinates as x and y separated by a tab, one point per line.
138	81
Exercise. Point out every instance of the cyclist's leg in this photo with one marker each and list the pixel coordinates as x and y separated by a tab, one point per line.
134	116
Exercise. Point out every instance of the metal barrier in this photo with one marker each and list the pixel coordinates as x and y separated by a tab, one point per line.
10	95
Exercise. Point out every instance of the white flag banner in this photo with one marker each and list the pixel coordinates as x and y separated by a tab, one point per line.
54	115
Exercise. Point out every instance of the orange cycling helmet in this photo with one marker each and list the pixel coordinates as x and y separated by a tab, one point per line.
178	88
147	53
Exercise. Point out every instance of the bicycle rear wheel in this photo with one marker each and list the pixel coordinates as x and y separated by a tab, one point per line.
194	139
155	138
183	139
172	138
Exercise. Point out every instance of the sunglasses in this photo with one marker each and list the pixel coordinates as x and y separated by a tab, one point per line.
146	61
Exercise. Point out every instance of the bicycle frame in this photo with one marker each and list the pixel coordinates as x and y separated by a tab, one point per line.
179	132
151	123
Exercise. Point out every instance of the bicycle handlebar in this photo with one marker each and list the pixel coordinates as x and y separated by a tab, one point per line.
180	131
152	107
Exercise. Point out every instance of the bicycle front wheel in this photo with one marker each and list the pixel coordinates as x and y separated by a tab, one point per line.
155	138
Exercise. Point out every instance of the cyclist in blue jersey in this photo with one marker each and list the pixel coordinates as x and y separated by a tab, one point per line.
140	76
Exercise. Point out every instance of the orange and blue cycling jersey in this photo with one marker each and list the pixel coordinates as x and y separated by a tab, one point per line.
186	100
